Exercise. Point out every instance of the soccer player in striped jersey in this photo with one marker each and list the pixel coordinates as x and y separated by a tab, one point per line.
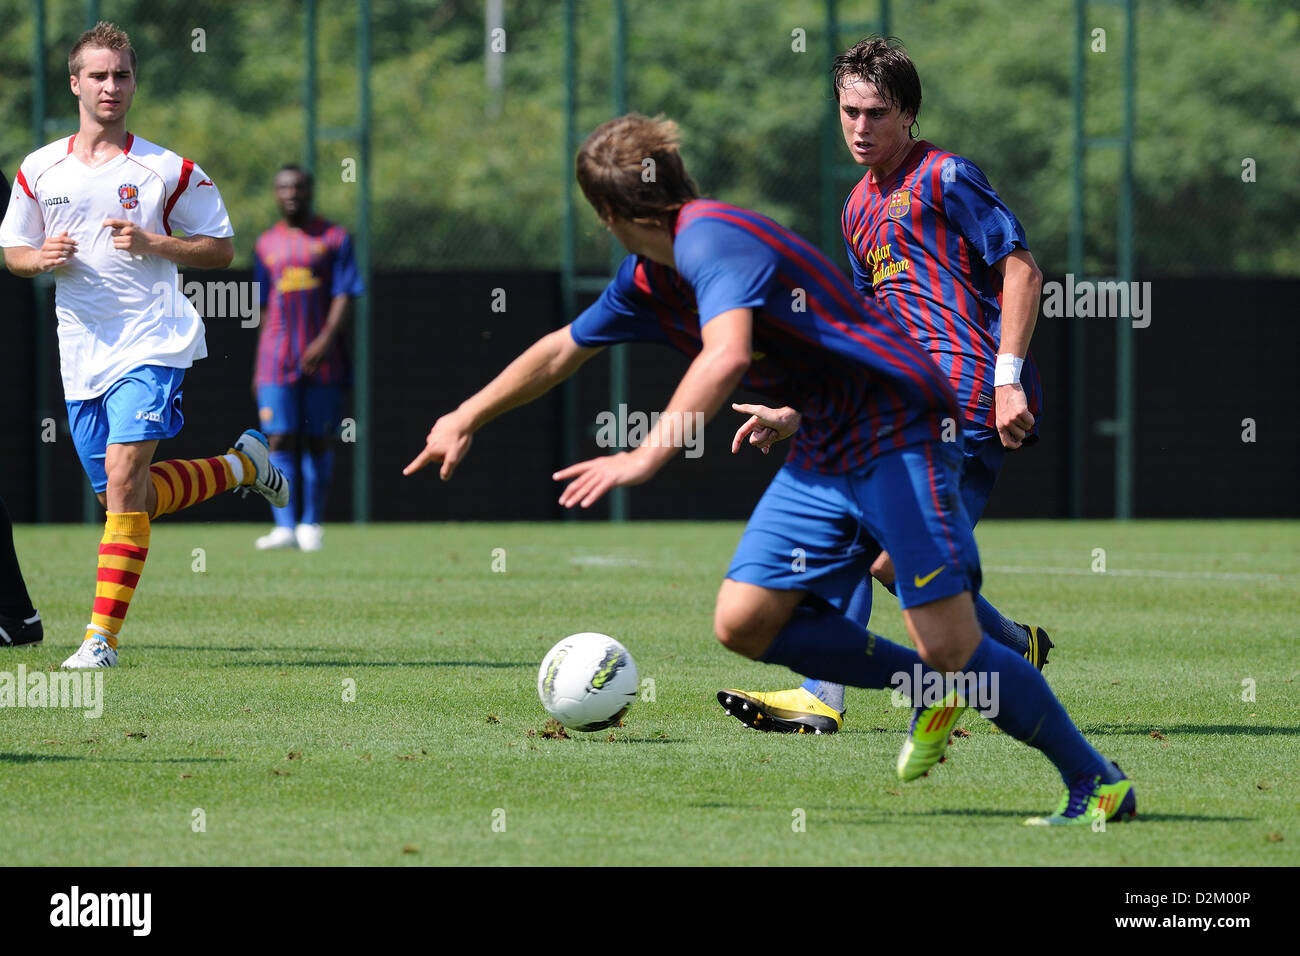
308	277
754	304
98	209
931	241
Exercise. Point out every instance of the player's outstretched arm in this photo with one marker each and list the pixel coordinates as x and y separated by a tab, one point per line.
712	376
198	252
1021	284
546	363
766	426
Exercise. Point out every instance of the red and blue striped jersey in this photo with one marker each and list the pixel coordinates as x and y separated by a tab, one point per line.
922	243
861	384
300	271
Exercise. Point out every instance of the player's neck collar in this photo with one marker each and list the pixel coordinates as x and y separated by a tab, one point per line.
126	150
910	160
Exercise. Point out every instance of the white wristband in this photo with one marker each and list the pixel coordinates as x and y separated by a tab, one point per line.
1007	369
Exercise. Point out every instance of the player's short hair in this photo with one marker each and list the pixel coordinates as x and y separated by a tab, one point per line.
882	62
300	170
630	168
102	36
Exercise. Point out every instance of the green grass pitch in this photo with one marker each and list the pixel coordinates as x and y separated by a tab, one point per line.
226	737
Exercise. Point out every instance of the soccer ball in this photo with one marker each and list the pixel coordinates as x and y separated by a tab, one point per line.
587	681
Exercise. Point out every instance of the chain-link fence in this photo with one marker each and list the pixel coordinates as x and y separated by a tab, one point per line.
469	162
470	100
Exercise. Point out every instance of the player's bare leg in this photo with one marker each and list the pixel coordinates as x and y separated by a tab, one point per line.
807	705
1031	643
129	488
129	499
747	619
139	491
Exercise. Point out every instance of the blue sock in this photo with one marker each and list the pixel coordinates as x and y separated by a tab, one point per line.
287	462
858	611
317	470
1003	630
1029	711
859	607
826	645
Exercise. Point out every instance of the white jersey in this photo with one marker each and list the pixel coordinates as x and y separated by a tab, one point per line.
116	310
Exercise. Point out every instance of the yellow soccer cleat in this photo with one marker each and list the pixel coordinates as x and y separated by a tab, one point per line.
782	711
1089	800
1039	645
927	737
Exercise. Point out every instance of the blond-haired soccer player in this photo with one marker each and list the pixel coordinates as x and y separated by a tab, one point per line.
98	209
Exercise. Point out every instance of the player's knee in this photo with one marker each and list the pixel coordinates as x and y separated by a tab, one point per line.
882	569
945	657
126	478
740	632
282	442
945	639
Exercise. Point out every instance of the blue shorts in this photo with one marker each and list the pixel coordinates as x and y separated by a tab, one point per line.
300	409
982	454
818	533
142	405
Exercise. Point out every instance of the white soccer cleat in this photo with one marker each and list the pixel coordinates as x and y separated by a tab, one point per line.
94	652
269	482
309	536
280	537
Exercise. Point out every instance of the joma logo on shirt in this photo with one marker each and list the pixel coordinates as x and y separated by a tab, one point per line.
142	415
56	201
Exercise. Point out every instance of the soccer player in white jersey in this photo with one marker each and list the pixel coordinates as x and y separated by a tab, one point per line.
98	210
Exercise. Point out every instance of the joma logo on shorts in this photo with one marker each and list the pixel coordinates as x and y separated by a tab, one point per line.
142	415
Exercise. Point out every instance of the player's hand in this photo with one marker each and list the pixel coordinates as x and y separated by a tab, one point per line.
448	442
591	479
766	426
128	236
313	355
1012	415
55	251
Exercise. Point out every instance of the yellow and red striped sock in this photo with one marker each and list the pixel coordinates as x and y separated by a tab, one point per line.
184	482
122	551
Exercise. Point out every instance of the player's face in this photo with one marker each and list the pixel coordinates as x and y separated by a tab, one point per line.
106	84
293	194
875	132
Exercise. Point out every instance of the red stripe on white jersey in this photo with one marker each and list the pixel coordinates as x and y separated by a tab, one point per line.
187	167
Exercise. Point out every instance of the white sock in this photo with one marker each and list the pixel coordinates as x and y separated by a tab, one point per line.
236	466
